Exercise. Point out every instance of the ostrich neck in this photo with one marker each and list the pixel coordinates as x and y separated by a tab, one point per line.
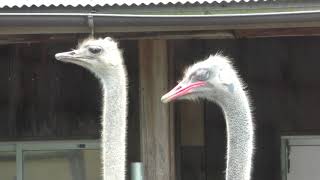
239	135
114	115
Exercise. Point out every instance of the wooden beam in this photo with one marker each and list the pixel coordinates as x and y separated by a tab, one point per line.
5	30
40	38
156	133
167	35
177	35
277	32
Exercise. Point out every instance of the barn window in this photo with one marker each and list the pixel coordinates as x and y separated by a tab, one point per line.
8	162
300	157
63	160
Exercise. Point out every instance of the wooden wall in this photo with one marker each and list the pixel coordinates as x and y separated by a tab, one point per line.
283	80
43	99
157	148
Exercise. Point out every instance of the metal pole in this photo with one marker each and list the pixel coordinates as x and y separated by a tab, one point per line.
136	171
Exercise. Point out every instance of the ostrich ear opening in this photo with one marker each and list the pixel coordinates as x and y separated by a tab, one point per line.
225	76
226	79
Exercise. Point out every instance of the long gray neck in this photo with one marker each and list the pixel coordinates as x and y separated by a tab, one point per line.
114	124
239	135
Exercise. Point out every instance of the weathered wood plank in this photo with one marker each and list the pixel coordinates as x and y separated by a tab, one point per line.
14	91
154	116
192	116
5	89
278	32
130	55
42	98
172	123
189	115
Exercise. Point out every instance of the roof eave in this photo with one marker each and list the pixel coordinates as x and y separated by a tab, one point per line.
134	23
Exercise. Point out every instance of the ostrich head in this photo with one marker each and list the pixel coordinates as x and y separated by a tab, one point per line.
94	54
213	79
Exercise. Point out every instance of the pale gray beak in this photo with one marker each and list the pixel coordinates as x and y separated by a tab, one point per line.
70	55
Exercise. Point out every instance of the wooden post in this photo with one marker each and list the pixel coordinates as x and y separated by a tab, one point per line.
157	133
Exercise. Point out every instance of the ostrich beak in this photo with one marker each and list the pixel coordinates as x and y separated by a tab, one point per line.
181	90
65	56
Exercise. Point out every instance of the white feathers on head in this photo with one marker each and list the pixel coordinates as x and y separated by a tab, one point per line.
105	43
111	54
220	63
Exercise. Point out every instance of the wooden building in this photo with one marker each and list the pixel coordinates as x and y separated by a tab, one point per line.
50	111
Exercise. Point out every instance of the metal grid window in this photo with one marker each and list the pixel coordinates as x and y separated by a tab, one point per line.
63	160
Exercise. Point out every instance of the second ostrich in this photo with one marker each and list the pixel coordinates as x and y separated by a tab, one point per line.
104	59
216	80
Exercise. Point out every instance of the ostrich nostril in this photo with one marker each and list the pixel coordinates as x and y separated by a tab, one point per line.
72	53
179	87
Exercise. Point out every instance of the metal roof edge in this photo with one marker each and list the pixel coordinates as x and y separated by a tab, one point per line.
128	3
124	22
303	12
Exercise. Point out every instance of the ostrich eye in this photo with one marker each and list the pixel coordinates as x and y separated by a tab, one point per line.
202	74
95	49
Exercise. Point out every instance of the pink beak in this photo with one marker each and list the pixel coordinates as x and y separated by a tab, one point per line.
179	91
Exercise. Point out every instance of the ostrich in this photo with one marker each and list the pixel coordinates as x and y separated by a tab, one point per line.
104	59
216	80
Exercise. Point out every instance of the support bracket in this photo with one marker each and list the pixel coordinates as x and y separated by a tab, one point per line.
91	24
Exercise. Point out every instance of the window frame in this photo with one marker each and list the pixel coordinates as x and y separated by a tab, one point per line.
287	142
20	147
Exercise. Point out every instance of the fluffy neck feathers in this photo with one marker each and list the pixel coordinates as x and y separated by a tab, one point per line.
114	116
236	109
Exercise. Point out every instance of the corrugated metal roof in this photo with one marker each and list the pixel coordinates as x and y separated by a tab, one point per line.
75	3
